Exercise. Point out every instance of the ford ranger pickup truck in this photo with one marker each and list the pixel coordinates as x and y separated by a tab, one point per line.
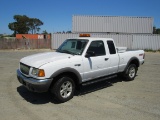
78	61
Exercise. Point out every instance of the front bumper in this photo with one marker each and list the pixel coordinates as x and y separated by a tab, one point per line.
33	84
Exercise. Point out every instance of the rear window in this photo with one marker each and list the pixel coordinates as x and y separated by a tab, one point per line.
111	47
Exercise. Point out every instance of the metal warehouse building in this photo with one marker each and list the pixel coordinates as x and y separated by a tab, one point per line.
112	24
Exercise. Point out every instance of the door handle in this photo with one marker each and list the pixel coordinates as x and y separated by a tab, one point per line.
106	59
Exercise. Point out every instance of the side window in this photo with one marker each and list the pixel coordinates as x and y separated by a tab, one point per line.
111	47
97	47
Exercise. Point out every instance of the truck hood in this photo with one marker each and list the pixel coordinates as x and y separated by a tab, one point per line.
40	59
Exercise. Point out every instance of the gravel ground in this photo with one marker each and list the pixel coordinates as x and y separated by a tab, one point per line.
113	99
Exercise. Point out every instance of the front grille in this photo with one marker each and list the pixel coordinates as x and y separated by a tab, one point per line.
24	68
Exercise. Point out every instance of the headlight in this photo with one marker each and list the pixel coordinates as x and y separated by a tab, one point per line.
35	71
38	72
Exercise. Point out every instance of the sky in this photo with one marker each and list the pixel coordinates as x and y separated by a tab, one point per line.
57	14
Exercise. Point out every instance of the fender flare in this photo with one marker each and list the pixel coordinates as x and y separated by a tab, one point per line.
132	59
68	69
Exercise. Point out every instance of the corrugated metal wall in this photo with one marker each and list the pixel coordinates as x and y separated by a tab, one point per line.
146	42
130	41
120	40
58	39
112	24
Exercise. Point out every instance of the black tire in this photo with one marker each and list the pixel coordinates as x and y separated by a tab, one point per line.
131	72
63	89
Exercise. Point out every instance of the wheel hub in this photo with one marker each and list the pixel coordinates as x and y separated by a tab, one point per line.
132	72
66	89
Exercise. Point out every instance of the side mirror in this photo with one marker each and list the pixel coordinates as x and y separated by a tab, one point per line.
90	54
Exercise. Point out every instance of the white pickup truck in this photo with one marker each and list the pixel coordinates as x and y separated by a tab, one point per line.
78	61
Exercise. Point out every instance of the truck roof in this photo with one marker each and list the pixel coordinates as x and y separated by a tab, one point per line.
92	38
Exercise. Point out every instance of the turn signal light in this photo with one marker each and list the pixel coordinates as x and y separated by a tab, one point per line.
41	73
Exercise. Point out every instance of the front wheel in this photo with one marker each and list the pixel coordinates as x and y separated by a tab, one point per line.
63	89
131	72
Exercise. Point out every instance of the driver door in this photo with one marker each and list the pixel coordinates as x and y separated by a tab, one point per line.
96	64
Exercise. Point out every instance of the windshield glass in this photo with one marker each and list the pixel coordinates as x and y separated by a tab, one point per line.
73	46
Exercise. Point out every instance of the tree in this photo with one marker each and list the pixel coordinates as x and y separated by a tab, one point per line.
34	24
68	32
24	24
44	32
156	30
20	25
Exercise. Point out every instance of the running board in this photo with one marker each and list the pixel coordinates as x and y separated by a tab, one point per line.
98	80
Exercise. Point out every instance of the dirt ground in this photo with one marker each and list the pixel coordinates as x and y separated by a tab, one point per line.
110	100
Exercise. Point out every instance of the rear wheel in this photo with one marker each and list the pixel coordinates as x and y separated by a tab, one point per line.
63	89
131	72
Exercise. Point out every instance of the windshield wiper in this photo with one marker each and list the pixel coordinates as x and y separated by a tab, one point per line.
66	51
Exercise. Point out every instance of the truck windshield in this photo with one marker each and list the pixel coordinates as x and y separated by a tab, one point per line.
73	46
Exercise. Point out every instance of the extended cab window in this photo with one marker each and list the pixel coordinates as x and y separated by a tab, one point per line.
97	47
111	47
